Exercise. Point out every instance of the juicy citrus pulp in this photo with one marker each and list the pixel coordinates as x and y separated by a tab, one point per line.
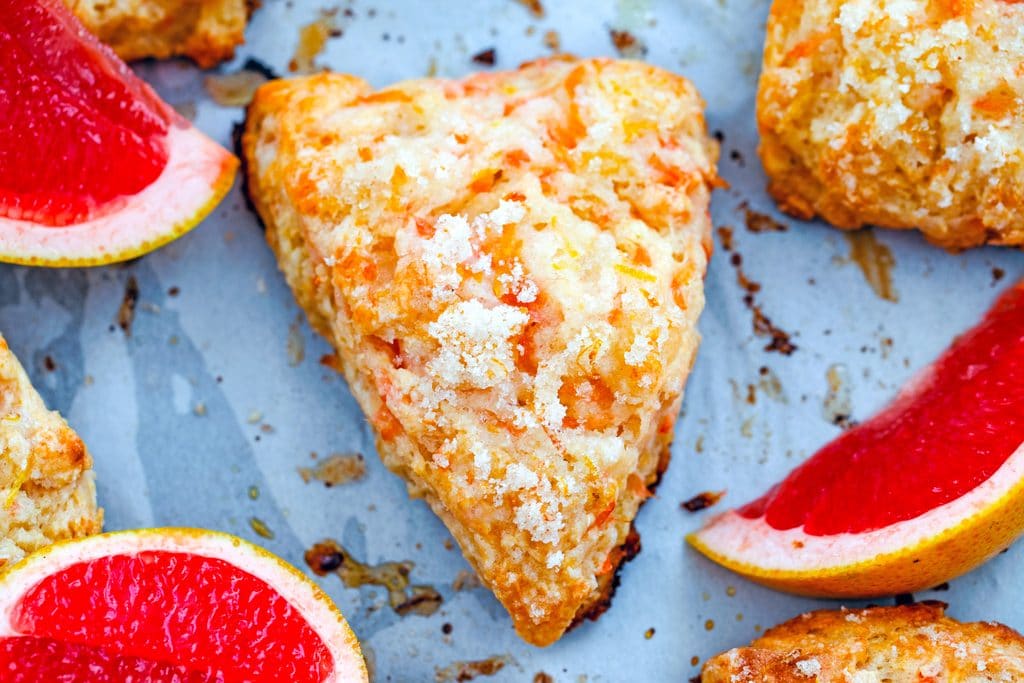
169	605
926	490
94	167
82	130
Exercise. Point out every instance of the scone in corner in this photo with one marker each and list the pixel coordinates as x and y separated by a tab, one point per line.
906	644
510	267
206	31
907	115
47	492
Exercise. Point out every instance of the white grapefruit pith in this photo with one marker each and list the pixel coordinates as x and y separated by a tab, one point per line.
256	566
926	490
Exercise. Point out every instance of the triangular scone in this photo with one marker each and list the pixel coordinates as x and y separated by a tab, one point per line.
46	480
510	267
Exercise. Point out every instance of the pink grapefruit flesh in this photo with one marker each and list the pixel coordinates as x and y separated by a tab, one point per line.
169	605
94	167
924	491
942	437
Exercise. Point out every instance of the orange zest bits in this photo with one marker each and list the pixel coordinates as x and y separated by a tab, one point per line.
635	272
998	102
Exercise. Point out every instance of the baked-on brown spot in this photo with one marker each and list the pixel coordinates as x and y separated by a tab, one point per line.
535	7
336	469
313	39
702	501
758	222
234	89
627	43
487	58
460	672
762	324
875	260
126	311
552	40
328	557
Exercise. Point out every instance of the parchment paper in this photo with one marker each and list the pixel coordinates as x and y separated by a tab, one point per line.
204	413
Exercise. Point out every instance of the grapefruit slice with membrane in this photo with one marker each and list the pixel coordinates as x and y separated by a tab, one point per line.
923	492
94	167
169	605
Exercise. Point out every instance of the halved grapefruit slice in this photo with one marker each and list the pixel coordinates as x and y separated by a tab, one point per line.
94	167
169	605
926	490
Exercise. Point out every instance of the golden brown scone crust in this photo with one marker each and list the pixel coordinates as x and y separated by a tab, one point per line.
903	115
510	267
205	30
46	480
906	644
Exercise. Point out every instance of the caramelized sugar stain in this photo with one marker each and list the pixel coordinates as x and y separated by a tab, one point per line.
535	7
313	38
702	501
457	672
875	261
296	344
126	312
763	325
260	528
336	469
329	557
770	384
760	222
838	407
234	89
627	43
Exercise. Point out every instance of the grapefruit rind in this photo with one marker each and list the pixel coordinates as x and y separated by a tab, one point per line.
304	595
198	174
905	557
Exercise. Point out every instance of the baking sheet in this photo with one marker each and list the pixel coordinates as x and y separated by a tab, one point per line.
203	413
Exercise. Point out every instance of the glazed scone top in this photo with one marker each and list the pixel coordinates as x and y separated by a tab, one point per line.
905	644
524	254
906	112
46	481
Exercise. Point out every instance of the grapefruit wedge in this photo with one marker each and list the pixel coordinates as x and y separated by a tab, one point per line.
926	490
94	167
169	605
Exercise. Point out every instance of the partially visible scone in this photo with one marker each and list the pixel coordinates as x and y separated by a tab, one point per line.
907	644
511	268
904	114
205	30
46	480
